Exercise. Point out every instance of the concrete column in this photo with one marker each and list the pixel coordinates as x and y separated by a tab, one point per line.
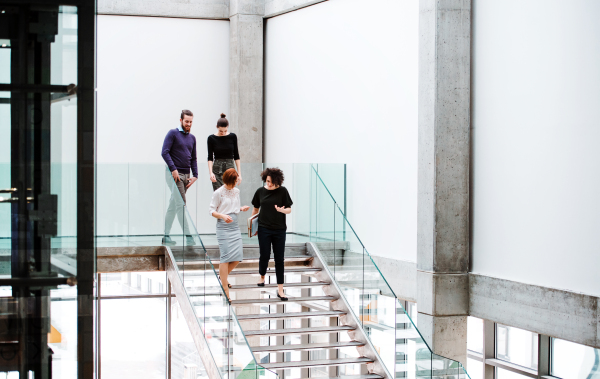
246	76
443	183
246	47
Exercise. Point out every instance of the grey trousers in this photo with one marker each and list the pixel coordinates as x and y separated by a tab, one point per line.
176	202
219	168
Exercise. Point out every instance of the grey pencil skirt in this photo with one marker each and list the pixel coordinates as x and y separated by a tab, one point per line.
230	240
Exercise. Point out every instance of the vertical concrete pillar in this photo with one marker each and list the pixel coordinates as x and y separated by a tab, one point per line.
246	45
443	183
246	76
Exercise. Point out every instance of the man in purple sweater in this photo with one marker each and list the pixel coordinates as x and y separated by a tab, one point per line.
179	153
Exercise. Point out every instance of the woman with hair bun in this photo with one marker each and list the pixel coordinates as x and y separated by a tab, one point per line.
274	202
222	152
225	206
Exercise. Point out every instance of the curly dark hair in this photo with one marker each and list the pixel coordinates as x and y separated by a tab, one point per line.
275	174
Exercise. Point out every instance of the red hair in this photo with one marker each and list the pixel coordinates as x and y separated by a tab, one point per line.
230	177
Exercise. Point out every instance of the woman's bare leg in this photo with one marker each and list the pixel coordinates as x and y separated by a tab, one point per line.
232	265
280	290
223	273
262	279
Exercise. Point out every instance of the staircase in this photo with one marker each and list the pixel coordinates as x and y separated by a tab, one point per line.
342	319
314	334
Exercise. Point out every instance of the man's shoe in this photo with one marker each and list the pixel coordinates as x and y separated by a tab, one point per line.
189	241
168	241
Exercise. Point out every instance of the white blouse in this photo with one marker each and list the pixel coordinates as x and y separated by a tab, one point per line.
225	201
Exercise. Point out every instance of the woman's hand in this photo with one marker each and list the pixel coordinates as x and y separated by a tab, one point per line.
283	209
212	178
239	180
244	208
227	219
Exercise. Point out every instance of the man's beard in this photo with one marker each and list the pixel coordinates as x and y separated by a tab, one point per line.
186	130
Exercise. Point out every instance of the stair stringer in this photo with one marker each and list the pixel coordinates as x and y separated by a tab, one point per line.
190	317
350	319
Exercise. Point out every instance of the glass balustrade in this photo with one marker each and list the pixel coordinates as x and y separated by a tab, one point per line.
392	332
137	219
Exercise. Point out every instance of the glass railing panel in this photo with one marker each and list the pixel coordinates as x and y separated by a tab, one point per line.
444	368
333	176
348	266
242	363
5	183
146	203
112	211
423	364
323	213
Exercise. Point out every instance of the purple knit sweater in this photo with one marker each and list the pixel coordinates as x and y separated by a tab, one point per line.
179	152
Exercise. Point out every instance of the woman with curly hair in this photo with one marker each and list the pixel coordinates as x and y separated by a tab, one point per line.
274	203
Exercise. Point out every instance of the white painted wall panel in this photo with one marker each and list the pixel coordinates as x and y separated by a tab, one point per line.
149	69
341	87
536	162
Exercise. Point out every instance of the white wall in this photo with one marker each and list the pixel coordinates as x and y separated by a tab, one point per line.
149	69
536	161
341	87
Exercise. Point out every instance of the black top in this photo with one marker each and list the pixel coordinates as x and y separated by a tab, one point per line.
266	200
225	147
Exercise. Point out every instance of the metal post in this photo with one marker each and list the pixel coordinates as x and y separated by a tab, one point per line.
489	348
99	327
168	309
543	355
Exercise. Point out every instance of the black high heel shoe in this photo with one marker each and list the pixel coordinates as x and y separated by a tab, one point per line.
260	284
283	298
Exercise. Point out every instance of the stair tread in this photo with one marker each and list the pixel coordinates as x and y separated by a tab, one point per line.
270	316
216	290
308	346
321	362
366	376
319	329
293	257
274	285
303	270
278	300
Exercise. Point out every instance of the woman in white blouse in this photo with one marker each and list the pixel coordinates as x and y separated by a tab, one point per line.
225	206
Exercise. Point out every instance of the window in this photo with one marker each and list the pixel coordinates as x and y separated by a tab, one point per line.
571	360
517	346
475	368
475	334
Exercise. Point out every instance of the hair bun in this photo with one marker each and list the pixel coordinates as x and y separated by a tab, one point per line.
222	115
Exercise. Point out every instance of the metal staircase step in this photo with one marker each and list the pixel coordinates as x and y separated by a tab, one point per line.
281	332
273	285
366	376
216	290
288	258
278	300
317	363
292	270
310	346
279	316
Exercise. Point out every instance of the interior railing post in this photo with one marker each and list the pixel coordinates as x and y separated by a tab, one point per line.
168	309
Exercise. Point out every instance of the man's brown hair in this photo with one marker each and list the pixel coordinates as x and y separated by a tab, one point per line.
186	112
